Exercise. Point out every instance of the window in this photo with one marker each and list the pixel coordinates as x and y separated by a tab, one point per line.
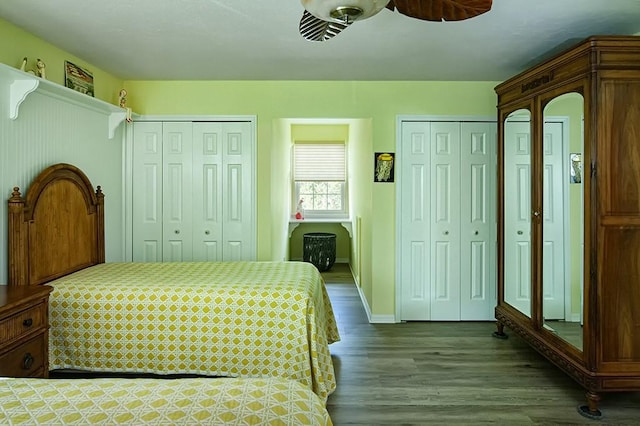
320	178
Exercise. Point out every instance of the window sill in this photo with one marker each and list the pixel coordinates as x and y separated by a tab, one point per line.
344	221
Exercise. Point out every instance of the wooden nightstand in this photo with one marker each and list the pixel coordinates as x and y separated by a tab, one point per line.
24	331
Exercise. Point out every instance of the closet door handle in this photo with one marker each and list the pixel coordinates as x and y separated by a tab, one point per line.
207	232
519	232
475	233
177	231
446	232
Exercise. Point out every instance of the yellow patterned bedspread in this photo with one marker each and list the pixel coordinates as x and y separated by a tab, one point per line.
236	319
197	401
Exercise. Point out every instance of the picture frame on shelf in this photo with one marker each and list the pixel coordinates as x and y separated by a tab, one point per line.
78	78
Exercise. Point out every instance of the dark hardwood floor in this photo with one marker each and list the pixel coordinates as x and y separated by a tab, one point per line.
448	373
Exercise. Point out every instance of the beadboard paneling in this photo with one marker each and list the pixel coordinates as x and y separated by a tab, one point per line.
49	130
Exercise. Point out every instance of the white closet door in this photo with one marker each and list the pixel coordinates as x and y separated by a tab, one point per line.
414	221
238	208
478	237
177	192
445	257
207	190
147	192
447	221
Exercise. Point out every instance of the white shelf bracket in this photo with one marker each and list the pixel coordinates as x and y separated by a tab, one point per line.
115	118
18	91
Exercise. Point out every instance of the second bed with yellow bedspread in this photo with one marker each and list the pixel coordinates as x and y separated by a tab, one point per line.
196	401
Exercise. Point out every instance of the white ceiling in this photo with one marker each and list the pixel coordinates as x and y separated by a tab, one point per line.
259	39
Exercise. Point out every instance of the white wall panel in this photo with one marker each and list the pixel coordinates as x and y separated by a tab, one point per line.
49	130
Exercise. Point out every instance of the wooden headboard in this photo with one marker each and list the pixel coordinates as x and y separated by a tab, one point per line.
57	229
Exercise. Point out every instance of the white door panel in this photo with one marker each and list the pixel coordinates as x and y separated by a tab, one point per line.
238	209
415	200
207	205
177	191
478	237
147	192
445	221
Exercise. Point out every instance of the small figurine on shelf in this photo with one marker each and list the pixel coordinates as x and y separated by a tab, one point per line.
23	66
40	68
122	98
300	210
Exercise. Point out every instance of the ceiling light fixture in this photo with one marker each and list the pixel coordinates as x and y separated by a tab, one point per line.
343	11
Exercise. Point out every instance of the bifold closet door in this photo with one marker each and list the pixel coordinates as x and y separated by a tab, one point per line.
147	192
415	224
193	191
478	226
178	192
162	193
446	257
447	216
207	181
223	211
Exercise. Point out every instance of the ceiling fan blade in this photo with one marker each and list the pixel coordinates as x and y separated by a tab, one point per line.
441	10
314	29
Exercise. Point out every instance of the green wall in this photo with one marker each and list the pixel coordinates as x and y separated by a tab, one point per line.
380	102
373	104
23	44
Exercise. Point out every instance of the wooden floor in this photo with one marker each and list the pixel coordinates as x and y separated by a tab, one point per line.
445	373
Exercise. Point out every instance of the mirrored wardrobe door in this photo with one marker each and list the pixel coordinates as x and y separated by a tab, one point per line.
517	210
562	213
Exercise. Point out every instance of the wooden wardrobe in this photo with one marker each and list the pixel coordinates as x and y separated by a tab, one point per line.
569	228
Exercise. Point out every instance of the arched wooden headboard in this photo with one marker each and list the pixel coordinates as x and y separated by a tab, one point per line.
57	229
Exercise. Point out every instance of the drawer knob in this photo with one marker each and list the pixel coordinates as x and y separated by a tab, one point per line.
27	362
28	322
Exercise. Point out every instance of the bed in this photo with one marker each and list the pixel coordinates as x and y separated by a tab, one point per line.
202	401
232	319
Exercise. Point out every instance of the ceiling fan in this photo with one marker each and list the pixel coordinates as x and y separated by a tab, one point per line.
324	19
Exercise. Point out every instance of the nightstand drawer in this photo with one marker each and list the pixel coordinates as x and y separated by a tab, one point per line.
25	360
23	322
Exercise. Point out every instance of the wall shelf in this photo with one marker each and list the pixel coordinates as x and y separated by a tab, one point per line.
346	224
22	84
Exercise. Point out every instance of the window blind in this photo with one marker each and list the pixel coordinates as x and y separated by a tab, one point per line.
319	162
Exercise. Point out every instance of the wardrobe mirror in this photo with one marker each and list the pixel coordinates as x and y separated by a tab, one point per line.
517	210
562	213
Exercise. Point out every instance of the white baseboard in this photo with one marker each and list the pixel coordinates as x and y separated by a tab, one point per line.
382	319
373	319
363	300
